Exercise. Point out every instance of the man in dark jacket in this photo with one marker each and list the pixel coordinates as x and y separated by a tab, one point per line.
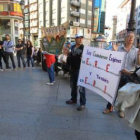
1	55
74	60
20	53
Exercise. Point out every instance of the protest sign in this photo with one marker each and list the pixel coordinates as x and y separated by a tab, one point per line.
100	71
53	38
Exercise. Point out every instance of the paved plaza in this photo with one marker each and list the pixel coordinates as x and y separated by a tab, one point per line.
31	110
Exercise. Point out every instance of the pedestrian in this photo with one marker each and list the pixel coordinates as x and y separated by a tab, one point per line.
130	64
50	60
2	56
8	45
20	54
39	55
30	53
74	60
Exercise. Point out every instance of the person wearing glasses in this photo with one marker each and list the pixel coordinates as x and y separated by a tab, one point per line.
20	54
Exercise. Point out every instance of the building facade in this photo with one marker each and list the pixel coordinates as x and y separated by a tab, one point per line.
10	17
123	19
77	13
138	22
114	27
99	8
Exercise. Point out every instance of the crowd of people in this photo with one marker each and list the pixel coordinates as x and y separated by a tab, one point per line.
25	52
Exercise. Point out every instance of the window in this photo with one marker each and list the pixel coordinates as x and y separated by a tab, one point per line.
89	22
3	7
16	26
82	11
63	20
139	22
83	1
5	26
138	31
82	21
63	9
90	3
89	13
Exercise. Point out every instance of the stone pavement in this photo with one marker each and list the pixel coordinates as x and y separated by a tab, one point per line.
31	110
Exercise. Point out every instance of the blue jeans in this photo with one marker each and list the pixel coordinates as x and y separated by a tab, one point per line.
51	73
23	61
73	84
29	58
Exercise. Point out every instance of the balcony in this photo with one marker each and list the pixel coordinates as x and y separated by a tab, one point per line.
75	3
74	23
75	14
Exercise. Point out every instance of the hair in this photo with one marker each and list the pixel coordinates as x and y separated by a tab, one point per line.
130	32
30	43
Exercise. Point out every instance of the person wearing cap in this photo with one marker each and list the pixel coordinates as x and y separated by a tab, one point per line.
9	50
74	60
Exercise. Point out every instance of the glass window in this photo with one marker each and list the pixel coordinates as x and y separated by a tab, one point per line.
5	26
90	3
82	21
1	7
89	13
4	7
82	11
16	26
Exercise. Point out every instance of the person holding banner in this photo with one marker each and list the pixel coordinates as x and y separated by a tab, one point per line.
130	64
74	60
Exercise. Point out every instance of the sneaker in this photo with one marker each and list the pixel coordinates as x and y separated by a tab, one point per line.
33	68
50	84
1	69
71	102
53	81
15	69
81	107
121	114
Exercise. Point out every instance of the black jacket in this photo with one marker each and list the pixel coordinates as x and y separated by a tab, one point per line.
1	50
74	57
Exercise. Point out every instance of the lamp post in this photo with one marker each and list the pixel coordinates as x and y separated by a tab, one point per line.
132	22
22	4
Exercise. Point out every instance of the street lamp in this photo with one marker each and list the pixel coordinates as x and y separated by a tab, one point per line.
22	4
131	24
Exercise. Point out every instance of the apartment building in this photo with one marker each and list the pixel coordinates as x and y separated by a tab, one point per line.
114	27
10	17
98	22
78	13
137	22
123	19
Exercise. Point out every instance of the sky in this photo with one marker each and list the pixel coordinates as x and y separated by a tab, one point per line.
111	10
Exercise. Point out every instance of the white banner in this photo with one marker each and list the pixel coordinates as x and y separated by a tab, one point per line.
100	71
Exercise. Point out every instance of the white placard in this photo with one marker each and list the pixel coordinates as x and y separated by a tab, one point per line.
100	71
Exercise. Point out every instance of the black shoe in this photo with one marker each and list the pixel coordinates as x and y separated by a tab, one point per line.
71	102
81	107
8	67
